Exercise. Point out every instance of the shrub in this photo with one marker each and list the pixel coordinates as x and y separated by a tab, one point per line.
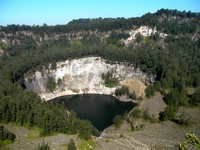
150	91
43	146
6	136
71	145
184	119
191	142
168	114
118	120
195	100
136	113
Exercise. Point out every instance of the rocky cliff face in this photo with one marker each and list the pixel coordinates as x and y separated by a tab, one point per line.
85	76
144	31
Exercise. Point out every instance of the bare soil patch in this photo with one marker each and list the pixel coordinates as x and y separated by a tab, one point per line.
153	105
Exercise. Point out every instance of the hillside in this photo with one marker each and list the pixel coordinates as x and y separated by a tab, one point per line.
165	45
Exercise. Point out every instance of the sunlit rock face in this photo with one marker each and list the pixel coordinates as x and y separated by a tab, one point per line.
84	75
144	31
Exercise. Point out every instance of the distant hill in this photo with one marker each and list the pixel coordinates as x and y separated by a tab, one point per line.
164	19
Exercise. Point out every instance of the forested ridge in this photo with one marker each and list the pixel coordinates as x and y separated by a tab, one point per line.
175	60
170	21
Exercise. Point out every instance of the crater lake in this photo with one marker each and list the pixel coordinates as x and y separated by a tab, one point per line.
100	110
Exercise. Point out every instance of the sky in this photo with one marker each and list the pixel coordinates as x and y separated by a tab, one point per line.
53	12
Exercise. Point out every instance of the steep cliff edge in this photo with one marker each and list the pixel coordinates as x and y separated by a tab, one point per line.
84	75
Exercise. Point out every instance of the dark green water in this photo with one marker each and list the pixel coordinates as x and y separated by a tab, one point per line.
99	109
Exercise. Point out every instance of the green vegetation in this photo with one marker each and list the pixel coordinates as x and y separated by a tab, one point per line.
51	84
169	26
150	91
139	37
118	120
115	38
89	145
6	137
184	119
168	114
26	108
122	91
195	99
109	78
86	130
138	113
43	146
175	61
71	145
125	91
191	142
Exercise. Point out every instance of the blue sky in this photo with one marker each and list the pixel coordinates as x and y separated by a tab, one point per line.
54	12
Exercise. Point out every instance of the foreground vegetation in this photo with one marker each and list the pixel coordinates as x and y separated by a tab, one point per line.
6	137
175	61
25	108
191	142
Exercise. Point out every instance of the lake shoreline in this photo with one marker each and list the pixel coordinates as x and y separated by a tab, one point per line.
122	98
97	108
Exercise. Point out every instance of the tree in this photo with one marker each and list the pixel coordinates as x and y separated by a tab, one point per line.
84	130
122	91
146	115
118	120
51	83
168	114
184	119
133	95
156	36
176	98
195	100
139	37
43	146
6	135
149	91
109	78
71	145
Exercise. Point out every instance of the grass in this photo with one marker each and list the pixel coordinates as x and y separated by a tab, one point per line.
36	134
89	145
3	147
110	85
64	145
32	136
36	128
5	142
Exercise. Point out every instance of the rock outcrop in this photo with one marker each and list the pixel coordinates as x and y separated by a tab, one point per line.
84	75
144	31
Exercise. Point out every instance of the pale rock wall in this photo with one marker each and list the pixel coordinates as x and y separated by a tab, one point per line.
143	30
85	76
